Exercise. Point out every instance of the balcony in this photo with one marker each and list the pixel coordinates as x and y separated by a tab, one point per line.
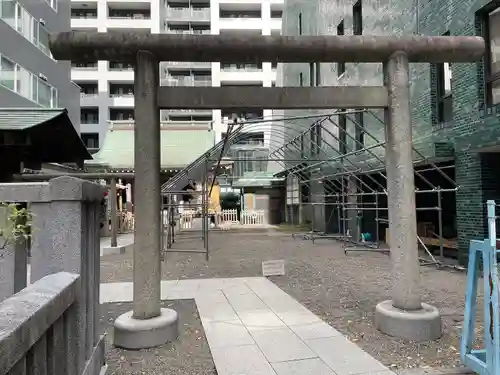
186	115
88	94
184	65
90	66
241	23
242	77
84	14
187	31
240	68
128	19
84	72
122	100
130	3
89	121
182	125
84	23
186	81
119	67
122	95
119	72
187	14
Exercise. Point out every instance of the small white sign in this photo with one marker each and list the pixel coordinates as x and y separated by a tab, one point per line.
273	268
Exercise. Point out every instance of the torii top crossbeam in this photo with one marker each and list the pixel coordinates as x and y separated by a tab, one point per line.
123	46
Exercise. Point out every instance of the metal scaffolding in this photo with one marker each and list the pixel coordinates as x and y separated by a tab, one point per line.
343	158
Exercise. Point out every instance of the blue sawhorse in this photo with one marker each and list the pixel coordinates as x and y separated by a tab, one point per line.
483	361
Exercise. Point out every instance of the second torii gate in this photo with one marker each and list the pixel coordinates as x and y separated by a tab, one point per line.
150	325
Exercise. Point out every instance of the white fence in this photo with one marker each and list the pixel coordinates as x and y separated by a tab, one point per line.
247	217
252	217
186	221
230	216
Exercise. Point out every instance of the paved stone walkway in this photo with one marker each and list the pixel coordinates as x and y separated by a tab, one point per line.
255	328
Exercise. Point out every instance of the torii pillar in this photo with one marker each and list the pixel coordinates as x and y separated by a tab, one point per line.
148	324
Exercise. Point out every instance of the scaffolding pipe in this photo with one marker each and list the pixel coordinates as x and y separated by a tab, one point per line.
384	193
440	225
350	162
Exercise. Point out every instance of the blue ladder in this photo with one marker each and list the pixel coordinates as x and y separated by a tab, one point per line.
483	361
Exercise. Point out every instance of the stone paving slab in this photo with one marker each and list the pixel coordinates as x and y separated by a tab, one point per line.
255	328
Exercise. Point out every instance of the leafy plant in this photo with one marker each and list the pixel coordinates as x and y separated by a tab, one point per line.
17	223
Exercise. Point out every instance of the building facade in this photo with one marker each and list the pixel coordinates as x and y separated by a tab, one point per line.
107	87
29	76
453	105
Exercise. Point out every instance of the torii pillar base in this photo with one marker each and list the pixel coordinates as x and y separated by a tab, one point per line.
416	325
131	333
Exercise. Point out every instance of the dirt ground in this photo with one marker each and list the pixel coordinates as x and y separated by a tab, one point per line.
342	290
190	355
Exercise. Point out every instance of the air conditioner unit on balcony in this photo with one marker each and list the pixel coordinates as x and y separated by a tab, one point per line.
42	22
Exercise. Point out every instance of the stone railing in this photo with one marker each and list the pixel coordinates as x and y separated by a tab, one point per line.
65	238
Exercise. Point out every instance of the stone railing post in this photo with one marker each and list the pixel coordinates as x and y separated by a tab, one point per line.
13	261
66	238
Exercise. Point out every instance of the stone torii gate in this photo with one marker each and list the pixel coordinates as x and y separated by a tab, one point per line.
150	325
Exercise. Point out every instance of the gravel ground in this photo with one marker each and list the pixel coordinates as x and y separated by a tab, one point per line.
342	290
190	355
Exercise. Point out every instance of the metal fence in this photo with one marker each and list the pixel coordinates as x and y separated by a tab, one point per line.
483	265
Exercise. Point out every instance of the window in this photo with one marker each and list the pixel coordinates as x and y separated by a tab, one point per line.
357	19
44	94
491	31
89	66
300	23
89	115
34	32
8	12
340	65
443	100
342	132
43	40
16	78
90	140
88	89
301	79
359	134
276	13
115	65
121	114
25	24
318	74
8	73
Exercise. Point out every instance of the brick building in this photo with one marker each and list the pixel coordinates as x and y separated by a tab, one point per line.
455	123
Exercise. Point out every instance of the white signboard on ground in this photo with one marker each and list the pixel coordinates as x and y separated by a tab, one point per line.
273	268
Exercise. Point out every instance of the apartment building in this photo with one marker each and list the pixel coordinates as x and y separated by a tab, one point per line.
29	76
107	87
